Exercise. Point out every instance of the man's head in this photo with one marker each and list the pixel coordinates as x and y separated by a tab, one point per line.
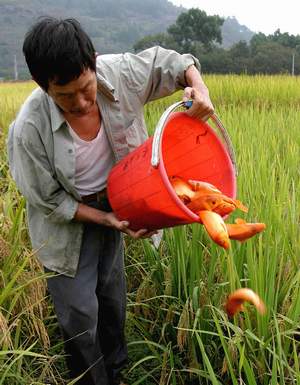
58	51
62	60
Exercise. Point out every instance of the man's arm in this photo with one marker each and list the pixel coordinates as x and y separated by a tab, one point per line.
202	106
32	173
86	213
157	72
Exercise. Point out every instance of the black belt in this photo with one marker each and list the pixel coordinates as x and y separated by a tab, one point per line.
98	196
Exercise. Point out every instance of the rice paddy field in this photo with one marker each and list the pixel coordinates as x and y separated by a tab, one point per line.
178	331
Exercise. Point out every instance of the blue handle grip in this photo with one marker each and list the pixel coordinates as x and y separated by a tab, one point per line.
188	104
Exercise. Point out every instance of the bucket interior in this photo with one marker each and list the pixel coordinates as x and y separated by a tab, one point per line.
191	149
143	194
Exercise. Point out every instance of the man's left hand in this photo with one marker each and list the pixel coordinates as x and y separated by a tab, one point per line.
202	106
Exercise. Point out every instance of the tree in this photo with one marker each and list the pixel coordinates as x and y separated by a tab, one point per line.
272	58
285	39
240	54
240	49
163	39
216	61
194	27
257	40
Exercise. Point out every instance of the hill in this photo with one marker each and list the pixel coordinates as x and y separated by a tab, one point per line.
233	32
114	25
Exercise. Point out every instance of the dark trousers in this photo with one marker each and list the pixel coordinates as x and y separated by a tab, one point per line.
91	308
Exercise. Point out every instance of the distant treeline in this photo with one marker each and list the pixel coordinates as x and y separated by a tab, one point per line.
273	54
197	33
223	46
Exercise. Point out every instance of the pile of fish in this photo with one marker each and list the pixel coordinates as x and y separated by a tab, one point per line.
211	205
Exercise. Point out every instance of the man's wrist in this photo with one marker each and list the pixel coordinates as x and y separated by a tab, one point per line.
89	214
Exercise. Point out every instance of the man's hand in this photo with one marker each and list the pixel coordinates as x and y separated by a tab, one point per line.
86	213
202	106
112	221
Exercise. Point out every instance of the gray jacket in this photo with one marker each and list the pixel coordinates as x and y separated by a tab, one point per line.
41	151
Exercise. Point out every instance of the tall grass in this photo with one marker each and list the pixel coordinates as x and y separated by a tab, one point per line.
26	318
189	277
177	329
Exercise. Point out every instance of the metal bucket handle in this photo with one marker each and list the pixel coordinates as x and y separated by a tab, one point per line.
156	145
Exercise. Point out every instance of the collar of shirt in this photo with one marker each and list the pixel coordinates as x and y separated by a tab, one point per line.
56	117
105	88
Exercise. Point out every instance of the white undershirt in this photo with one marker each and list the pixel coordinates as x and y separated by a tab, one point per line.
93	162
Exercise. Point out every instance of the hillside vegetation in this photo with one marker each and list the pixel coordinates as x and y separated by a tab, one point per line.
177	329
114	25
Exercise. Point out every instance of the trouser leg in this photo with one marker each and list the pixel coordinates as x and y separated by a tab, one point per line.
91	308
112	298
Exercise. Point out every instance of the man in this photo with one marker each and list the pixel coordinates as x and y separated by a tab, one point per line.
87	115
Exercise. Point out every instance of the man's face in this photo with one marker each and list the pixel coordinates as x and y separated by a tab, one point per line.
76	97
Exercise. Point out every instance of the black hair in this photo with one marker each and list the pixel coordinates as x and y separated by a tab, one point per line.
58	50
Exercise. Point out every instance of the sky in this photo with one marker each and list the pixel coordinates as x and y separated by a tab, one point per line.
264	16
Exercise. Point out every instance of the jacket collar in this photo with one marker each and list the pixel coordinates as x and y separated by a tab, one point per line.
105	88
56	117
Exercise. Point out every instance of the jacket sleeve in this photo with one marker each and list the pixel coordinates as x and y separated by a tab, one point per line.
32	173
156	72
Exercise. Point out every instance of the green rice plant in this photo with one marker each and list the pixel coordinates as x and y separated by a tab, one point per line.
262	116
177	328
12	96
25	354
24	340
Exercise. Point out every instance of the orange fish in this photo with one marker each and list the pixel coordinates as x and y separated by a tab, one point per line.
219	203
236	299
183	189
211	205
190	187
215	227
242	230
203	187
198	195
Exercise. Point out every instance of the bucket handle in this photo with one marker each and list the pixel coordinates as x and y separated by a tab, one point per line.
156	145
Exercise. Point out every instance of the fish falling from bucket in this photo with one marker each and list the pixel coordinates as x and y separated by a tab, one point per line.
235	301
205	200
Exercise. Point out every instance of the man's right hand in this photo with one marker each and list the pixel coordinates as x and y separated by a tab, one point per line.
86	213
112	221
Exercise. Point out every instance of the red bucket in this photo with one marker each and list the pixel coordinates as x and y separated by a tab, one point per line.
138	187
